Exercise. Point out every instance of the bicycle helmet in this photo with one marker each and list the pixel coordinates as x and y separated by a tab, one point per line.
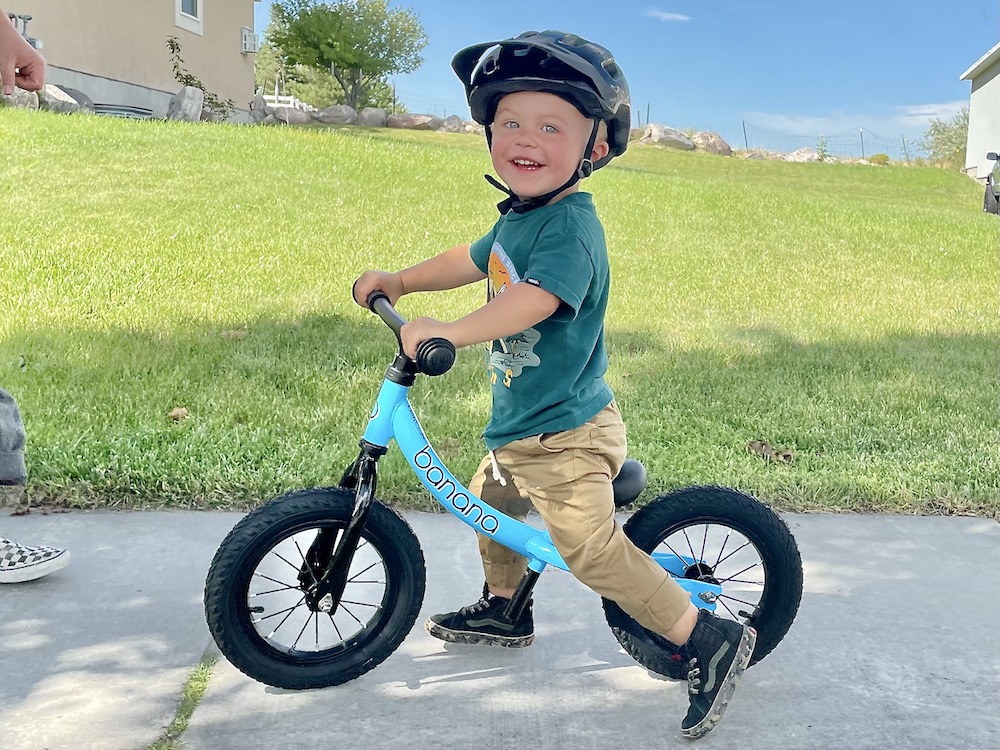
579	71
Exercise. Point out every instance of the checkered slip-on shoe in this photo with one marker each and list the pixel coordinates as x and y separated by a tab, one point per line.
19	563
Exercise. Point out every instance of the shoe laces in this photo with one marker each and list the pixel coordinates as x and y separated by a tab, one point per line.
694	677
480	606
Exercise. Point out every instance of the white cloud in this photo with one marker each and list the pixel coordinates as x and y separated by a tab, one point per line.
910	121
661	15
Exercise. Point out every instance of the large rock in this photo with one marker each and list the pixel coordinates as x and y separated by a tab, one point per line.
452	124
20	98
414	122
241	117
661	135
336	114
373	117
258	108
64	99
713	143
291	116
186	104
802	155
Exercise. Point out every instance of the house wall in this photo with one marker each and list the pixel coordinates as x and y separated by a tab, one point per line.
984	122
115	50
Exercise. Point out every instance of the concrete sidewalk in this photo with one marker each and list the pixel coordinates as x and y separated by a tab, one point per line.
897	645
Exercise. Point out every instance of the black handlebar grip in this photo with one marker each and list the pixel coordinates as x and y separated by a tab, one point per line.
435	356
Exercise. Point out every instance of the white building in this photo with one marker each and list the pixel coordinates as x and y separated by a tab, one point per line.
984	113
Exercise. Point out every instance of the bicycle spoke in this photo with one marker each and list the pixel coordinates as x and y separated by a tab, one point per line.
299	636
742	546
280	612
741	572
722	548
272	580
704	542
305	562
735	599
275	591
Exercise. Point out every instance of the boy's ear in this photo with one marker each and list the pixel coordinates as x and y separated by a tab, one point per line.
601	149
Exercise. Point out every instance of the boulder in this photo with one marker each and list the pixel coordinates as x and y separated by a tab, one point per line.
661	135
54	99
186	104
452	124
336	114
20	98
241	117
713	143
414	122
258	108
373	117
802	155
291	116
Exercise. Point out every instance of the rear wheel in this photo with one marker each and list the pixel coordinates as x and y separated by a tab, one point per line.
255	602
727	538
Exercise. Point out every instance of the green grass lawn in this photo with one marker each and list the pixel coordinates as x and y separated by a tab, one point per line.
846	313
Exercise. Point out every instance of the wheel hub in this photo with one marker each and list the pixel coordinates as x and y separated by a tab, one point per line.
701	572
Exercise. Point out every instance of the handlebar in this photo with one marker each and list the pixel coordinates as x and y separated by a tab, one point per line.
434	356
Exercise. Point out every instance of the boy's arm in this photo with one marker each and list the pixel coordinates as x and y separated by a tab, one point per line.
448	270
518	308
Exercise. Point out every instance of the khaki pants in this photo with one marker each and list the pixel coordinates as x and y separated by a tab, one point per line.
567	477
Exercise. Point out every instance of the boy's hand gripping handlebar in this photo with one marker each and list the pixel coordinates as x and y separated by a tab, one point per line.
434	356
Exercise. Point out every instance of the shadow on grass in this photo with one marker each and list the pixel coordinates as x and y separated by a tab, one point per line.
271	405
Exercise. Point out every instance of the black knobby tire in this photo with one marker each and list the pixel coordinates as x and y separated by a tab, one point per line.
990	202
378	609
730	515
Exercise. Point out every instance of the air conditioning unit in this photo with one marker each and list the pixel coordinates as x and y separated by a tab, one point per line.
250	42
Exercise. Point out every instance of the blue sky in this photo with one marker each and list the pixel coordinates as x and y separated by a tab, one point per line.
783	67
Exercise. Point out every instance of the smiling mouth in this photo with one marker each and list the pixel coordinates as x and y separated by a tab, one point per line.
526	164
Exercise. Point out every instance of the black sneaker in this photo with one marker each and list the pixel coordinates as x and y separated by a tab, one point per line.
484	623
717	654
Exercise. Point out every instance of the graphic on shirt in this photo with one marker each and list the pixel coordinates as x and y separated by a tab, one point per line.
509	356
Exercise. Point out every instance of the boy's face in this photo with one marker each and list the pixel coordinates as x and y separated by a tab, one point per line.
538	142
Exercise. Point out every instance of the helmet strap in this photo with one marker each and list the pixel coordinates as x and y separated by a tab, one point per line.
518	206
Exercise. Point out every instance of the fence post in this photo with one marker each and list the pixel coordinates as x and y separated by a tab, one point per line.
861	131
746	145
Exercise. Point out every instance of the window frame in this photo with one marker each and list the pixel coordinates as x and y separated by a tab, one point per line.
193	23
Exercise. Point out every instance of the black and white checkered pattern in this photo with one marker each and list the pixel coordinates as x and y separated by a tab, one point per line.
19	563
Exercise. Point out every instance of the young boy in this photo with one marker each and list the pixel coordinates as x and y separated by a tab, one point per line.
555	108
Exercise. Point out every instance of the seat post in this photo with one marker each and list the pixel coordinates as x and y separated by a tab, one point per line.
515	608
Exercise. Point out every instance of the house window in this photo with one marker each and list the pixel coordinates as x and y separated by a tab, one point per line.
190	15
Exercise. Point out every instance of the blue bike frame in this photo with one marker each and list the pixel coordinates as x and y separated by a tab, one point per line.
392	417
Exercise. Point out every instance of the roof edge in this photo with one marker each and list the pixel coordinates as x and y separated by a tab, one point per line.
982	63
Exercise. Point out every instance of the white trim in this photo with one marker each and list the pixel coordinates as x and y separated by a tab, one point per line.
982	64
194	24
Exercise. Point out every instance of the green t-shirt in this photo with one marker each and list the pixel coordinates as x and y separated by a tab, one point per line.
549	378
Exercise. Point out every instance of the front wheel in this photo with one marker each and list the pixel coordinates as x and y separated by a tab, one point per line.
255	602
726	538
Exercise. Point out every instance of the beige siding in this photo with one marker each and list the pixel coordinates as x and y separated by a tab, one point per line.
125	40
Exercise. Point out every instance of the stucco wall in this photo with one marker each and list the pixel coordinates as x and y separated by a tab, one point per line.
984	122
125	41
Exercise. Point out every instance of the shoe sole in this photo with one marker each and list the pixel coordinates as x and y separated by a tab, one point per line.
37	570
479	639
725	694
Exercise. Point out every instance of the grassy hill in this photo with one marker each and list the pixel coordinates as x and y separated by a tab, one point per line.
845	313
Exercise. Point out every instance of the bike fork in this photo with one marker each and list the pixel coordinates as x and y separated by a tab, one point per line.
324	595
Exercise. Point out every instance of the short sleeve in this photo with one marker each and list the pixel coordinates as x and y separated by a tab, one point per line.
561	264
479	251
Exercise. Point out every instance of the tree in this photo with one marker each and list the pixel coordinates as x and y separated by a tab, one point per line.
945	142
310	85
359	42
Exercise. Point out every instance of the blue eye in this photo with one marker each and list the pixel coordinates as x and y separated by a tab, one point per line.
510	124
550	129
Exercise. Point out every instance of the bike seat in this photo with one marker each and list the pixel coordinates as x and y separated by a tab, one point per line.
631	481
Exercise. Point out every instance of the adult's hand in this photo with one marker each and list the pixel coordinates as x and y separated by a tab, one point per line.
20	64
